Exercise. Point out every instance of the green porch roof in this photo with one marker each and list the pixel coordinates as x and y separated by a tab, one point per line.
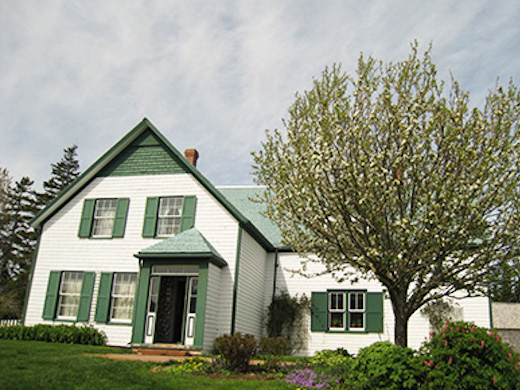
246	200
188	244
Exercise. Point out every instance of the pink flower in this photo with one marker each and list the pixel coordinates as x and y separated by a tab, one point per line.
473	329
443	334
472	339
445	343
458	328
450	359
491	332
494	380
431	335
482	343
498	337
510	355
447	325
428	363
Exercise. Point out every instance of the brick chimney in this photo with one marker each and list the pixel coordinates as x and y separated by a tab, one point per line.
191	155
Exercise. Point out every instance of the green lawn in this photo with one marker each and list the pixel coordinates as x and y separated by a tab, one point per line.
38	365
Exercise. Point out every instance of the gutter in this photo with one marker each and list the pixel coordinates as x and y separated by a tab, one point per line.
235	284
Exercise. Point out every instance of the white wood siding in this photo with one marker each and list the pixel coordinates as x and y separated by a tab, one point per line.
211	321
474	309
250	310
62	250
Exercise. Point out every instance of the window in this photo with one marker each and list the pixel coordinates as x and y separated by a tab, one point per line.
104	214
346	311
356	310
169	216
337	311
123	293
70	291
69	295
103	218
116	296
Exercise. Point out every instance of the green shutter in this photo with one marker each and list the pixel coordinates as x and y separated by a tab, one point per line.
86	218
188	212
150	217
319	311
103	299
51	298
374	312
85	298
118	230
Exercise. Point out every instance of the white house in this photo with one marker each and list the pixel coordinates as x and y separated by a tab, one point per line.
143	247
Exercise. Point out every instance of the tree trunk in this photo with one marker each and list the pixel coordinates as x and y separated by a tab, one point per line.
401	317
401	331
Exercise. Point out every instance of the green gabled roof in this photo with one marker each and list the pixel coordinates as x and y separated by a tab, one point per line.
246	199
188	244
108	163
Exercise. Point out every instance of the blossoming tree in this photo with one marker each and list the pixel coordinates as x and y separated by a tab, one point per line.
385	175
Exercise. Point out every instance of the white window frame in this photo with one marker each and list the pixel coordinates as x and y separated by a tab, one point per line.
356	310
337	310
130	296
163	217
101	218
78	276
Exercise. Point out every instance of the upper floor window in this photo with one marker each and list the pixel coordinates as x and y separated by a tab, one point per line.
102	218
169	216
104	214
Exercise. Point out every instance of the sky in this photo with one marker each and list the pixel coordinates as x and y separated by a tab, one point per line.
213	75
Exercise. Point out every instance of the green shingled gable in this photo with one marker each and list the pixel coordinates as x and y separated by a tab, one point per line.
147	155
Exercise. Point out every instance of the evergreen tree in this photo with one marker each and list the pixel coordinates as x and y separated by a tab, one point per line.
17	242
62	174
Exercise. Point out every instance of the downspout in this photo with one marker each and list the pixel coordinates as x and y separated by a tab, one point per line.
275	269
235	284
31	273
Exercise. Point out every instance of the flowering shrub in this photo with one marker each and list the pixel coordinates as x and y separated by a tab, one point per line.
236	350
463	356
309	378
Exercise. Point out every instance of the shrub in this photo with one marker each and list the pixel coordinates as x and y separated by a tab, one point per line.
384	365
54	334
464	356
277	346
236	350
332	358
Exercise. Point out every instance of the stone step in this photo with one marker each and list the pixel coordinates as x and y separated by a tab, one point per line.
165	351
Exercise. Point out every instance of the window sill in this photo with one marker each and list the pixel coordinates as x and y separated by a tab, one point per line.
119	323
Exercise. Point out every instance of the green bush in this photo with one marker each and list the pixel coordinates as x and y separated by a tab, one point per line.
236	350
332	358
277	346
385	366
463	356
54	334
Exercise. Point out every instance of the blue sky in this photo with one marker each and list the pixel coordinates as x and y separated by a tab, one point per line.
213	74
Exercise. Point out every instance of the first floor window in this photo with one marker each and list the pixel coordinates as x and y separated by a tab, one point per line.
104	215
169	216
69	294
122	297
356	310
337	311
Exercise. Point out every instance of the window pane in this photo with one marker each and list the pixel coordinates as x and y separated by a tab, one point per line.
337	321
356	320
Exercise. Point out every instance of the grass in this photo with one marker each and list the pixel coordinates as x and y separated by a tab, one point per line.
39	365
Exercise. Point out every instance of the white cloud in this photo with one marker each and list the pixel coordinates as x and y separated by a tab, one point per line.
211	75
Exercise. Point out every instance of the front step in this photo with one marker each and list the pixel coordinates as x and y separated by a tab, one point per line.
165	350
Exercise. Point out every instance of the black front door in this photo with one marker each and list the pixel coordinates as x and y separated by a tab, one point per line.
170	313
